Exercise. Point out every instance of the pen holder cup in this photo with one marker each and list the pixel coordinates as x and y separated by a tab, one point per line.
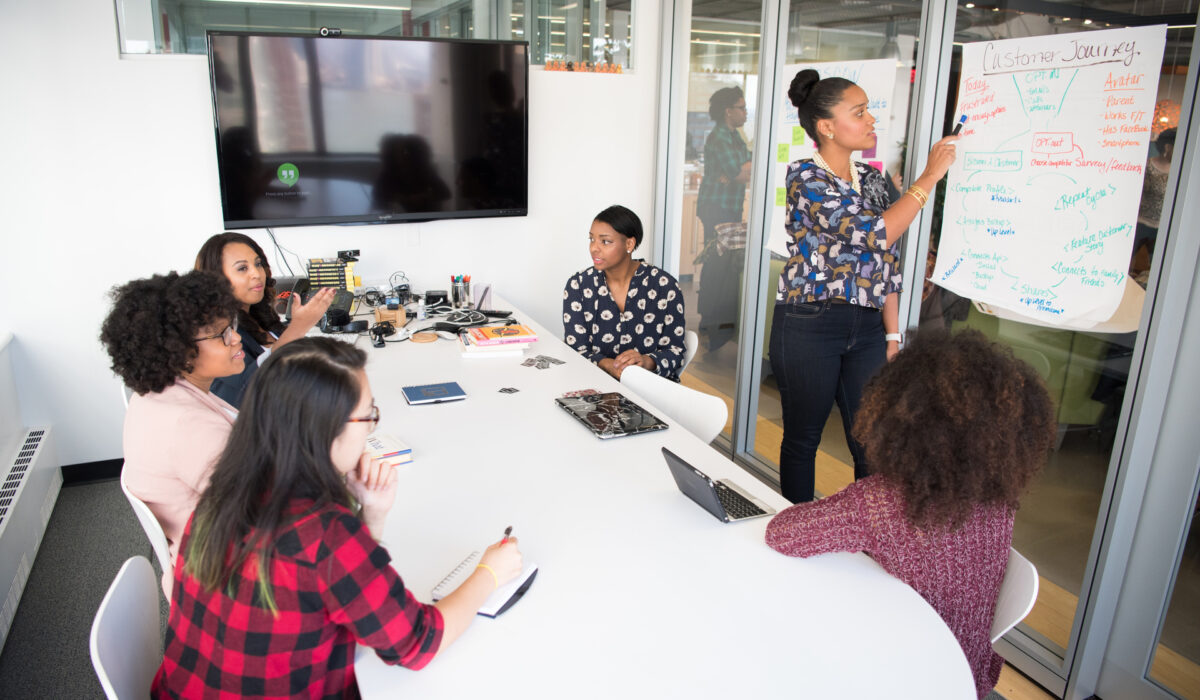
461	295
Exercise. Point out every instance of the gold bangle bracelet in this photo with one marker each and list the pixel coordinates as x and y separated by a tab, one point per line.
918	194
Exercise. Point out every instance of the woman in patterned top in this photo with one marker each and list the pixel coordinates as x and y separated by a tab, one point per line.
828	332
280	572
957	428
621	311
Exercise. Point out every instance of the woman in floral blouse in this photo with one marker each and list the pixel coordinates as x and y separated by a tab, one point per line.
828	331
621	311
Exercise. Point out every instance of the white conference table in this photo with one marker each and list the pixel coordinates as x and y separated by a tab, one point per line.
640	592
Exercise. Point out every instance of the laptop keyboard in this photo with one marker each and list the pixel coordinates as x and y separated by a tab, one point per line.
736	505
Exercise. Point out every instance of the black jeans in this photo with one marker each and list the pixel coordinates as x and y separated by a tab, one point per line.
820	353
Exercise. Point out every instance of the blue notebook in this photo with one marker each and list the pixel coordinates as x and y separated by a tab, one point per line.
434	393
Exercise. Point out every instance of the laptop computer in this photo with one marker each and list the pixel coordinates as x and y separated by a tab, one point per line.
610	415
724	499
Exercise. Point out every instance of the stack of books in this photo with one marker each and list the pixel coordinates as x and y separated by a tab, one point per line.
496	341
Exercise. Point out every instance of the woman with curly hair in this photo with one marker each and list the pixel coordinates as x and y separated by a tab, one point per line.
955	428
170	337
240	260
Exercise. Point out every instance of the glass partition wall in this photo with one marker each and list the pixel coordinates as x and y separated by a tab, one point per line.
728	249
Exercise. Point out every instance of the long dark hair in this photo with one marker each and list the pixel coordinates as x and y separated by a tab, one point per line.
297	403
261	319
814	98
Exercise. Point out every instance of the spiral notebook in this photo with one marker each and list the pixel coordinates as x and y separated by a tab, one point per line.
501	599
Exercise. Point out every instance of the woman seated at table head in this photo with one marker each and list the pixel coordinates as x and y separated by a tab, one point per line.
622	311
281	571
241	261
170	337
955	428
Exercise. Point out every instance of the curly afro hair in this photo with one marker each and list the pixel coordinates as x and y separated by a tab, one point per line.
955	421
150	332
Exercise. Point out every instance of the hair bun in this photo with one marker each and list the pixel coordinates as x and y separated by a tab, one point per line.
802	86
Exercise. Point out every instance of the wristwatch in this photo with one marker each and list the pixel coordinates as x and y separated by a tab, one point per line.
894	336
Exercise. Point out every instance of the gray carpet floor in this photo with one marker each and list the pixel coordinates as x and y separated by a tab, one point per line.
90	534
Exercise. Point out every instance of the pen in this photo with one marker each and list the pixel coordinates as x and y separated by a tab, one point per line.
958	127
507	532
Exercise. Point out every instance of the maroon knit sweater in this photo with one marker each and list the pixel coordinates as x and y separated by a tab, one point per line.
958	572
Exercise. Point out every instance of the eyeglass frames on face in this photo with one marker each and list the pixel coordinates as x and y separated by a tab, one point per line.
228	335
373	419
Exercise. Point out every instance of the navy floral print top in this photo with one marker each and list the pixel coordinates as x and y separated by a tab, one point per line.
652	322
838	238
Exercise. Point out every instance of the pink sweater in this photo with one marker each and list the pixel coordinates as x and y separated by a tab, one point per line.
957	572
171	441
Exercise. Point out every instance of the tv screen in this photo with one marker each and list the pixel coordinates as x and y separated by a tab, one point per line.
325	130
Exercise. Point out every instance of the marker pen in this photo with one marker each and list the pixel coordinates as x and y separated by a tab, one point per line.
507	532
958	127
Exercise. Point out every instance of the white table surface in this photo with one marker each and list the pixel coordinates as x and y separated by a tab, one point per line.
640	592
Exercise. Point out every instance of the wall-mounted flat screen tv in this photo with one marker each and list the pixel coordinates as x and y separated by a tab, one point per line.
337	130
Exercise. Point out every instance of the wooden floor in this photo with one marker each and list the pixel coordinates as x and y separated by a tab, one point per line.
1052	613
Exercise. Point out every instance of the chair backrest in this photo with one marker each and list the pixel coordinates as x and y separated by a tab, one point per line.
1018	592
126	639
126	392
154	531
701	414
691	341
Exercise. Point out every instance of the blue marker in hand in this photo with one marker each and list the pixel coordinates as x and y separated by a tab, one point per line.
958	127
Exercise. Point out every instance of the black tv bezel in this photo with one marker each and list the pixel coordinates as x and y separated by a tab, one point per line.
389	218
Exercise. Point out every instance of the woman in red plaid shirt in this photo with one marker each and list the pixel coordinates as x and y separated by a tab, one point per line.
280	571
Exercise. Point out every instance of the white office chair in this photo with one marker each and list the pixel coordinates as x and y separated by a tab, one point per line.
1018	591
126	392
701	414
691	341
126	639
154	531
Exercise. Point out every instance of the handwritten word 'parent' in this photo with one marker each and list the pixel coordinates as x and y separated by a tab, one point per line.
1077	54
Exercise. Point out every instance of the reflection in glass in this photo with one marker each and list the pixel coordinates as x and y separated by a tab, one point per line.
721	94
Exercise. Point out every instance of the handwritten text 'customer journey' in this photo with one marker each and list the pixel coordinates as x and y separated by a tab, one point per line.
1042	201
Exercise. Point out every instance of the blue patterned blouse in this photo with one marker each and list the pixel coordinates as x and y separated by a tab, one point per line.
838	238
652	322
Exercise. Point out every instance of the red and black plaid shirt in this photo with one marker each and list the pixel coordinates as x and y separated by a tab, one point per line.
333	586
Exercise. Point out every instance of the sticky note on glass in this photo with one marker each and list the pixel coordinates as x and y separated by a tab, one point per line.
780	196
798	136
782	152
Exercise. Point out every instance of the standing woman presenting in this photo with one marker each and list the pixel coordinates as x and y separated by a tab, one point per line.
837	293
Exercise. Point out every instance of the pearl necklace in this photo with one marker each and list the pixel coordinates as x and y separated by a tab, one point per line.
853	170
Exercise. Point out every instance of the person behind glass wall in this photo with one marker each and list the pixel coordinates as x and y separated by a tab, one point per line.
1154	190
719	201
957	428
170	337
282	574
621	311
240	260
828	331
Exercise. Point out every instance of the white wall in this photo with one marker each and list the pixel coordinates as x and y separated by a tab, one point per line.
109	173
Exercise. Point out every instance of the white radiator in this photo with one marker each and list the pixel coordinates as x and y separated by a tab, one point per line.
31	479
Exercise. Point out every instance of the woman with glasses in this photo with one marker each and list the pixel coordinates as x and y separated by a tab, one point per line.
170	337
282	572
240	260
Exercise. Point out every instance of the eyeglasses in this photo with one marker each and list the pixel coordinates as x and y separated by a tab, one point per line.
229	335
373	419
